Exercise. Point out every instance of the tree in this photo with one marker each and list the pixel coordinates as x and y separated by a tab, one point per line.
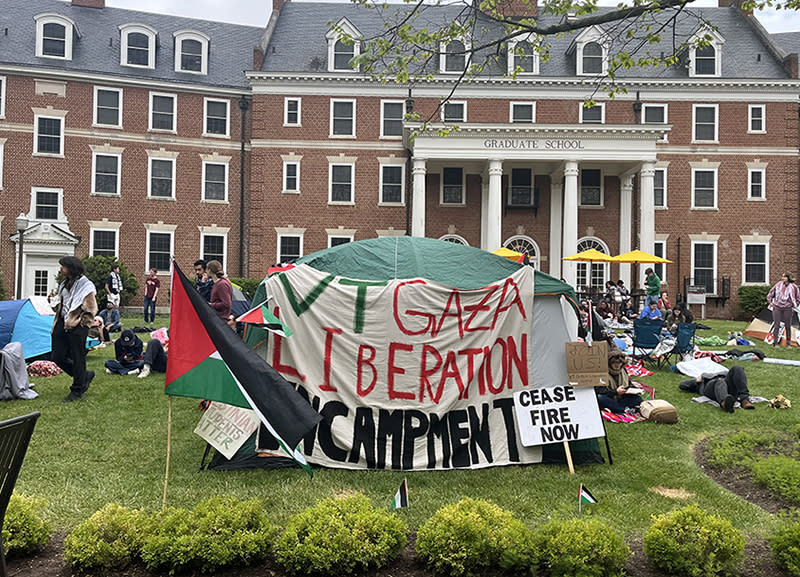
97	269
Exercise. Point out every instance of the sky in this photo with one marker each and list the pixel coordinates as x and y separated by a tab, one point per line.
256	12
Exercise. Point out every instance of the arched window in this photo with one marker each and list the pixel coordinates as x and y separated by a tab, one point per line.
527	245
526	55
455	57
455	239
54	35
596	277
191	52
343	53
705	61
138	45
592	58
344	44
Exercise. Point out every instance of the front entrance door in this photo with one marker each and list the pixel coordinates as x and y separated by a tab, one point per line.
40	275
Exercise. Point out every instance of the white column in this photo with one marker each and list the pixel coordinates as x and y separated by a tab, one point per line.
494	215
418	204
556	196
625	224
484	211
647	230
570	219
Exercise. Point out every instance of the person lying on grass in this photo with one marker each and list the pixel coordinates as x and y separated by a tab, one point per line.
725	389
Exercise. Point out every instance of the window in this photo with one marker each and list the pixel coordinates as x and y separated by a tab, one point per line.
2	96
344	44
162	111
705	122
596	276
455	239
660	249
106	173
392	113
454	111
108	107
391	184
705	53
291	112
40	280
660	190
593	114
343	53
213	247
756	118
217	112
290	247
526	245
452	186
54	36
592	58
523	58
105	242
704	188
191	52
338	240
341	183
591	51
343	118
655	114
138	46
159	251
291	177
521	192
756	263
704	265
2	151
591	187
523	112
49	137
453	56
48	204
755	185
161	178
215	181
705	61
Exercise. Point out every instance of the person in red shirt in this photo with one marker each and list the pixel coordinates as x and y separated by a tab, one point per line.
152	284
221	292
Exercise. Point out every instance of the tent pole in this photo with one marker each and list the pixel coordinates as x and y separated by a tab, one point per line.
169	446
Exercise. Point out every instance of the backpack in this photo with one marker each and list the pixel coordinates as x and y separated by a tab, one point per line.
658	411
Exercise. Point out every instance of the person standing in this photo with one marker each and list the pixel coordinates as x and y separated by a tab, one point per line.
784	297
653	286
114	286
221	292
75	306
152	284
203	283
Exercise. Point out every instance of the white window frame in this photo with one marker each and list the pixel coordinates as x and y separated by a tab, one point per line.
285	177
589	267
600	105
2	96
512	55
664	107
227	103
716	188
95	120
331	120
602	189
224	235
763	183
443	55
206	163
342	29
750	118
151	112
288	235
60	191
127	29
662	169
462	103
745	244
69	31
515	103
383	119
94	192
2	153
350	238
402	167
286	102
94	229
150	160
596	35
352	166
153	230
716	41
463	188
61	119
713	243
533	259
661	268
694	123
204	40
455	239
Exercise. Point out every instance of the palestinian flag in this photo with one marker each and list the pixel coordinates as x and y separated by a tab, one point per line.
401	497
585	497
208	360
263	316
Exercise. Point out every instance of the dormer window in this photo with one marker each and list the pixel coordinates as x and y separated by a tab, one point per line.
592	58
453	56
522	56
191	52
137	46
706	59
54	35
591	52
344	44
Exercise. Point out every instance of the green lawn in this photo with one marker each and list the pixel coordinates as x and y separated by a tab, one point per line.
111	447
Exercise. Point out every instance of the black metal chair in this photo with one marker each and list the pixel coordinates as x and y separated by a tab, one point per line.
15	434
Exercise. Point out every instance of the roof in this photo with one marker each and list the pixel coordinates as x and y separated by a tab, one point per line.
744	55
96	50
788	41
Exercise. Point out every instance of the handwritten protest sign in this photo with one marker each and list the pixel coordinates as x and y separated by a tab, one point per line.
587	366
226	427
557	414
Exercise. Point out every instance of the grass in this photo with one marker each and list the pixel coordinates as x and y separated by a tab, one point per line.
111	447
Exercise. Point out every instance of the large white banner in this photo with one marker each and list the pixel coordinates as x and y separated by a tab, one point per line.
408	374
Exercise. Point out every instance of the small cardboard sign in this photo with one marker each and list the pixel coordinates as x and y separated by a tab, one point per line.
226	427
587	366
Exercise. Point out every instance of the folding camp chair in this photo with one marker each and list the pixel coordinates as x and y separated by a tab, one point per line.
15	434
646	337
684	344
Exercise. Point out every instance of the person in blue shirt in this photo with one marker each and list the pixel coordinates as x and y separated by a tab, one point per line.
111	320
650	311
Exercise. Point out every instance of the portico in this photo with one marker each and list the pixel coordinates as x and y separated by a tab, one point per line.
557	152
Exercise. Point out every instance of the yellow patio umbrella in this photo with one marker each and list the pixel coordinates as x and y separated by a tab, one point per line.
590	255
509	254
639	257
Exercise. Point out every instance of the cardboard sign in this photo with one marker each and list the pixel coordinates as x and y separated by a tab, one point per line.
587	366
226	427
557	414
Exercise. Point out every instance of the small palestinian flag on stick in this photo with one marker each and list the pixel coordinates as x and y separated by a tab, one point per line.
584	496
262	316
401	497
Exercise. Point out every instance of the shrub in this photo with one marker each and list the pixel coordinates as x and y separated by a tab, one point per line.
218	532
473	536
779	474
247	285
691	542
753	298
580	548
739	449
97	269
340	535
785	544
24	530
109	539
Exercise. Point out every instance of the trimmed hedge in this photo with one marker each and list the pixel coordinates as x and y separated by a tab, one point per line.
580	548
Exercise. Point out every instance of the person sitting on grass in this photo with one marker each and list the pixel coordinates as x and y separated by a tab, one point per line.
155	358
98	331
725	389
128	353
111	318
650	311
615	396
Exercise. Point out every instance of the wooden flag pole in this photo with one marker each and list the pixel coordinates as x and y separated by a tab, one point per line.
169	447
569	458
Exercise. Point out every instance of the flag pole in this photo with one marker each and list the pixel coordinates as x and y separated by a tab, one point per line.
169	447
580	501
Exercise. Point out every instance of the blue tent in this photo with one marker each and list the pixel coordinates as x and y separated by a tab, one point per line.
21	322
